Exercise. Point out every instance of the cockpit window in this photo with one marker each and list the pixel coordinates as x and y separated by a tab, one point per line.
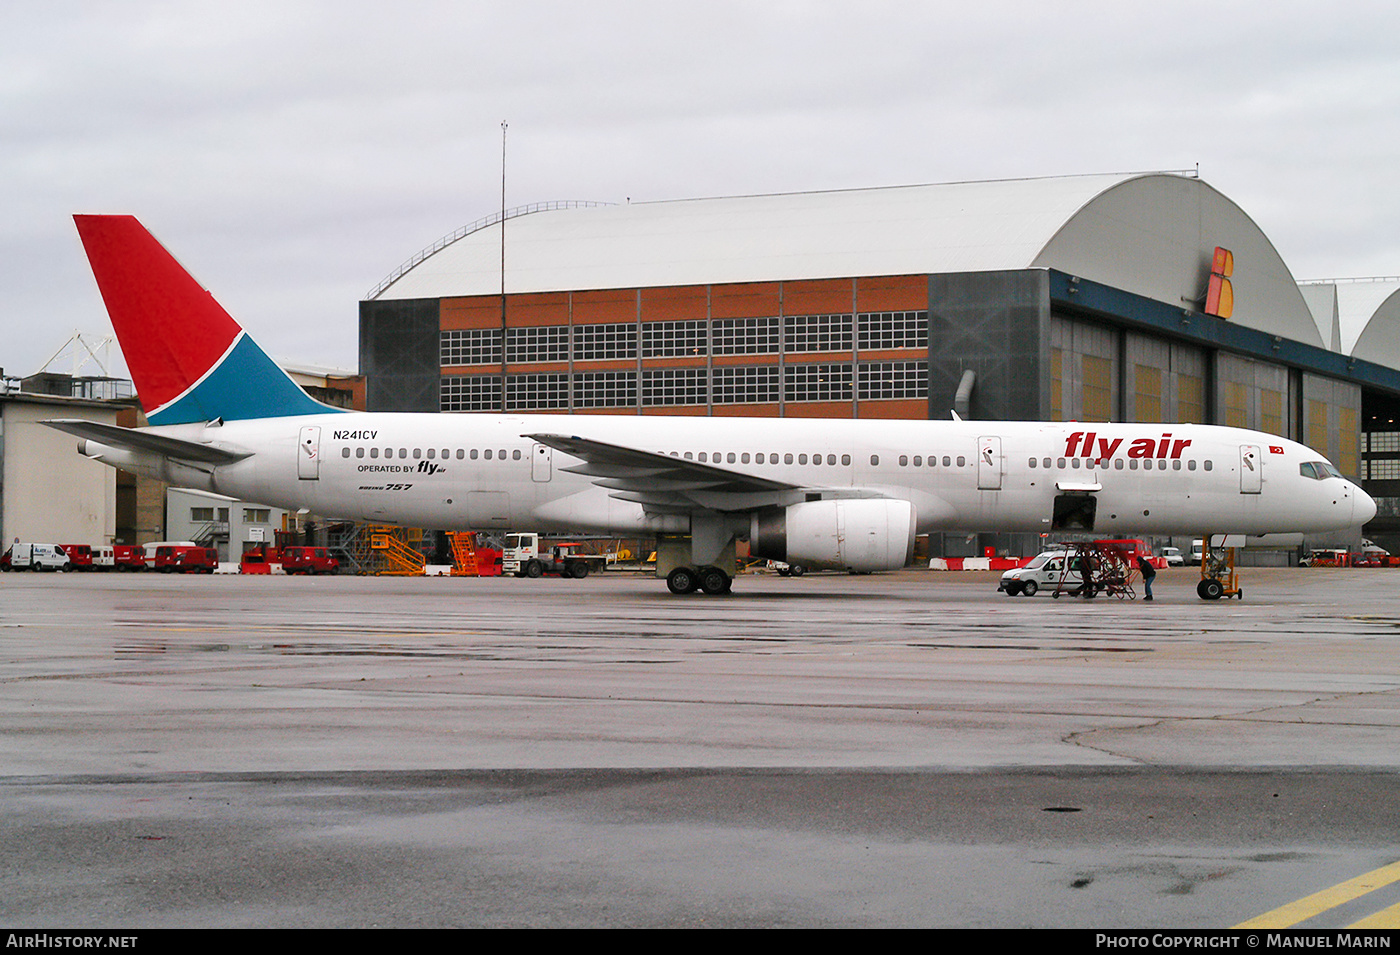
1318	470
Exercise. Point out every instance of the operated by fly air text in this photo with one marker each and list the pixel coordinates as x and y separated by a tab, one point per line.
838	494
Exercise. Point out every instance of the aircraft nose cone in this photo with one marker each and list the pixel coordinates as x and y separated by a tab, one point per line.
1363	507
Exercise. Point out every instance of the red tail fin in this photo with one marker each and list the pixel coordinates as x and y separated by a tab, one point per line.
171	330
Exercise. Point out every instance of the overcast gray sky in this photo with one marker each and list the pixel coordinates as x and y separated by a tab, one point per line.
291	153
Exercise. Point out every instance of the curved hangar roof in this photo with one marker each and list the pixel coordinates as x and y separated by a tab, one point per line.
1151	234
1363	316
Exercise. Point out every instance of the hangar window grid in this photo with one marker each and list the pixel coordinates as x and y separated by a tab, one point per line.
605	341
745	336
543	392
892	379
817	381
680	339
539	343
818	333
470	393
746	385
470	346
881	330
675	386
605	389
1383	469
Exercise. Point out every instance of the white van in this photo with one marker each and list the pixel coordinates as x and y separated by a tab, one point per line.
36	557
1045	571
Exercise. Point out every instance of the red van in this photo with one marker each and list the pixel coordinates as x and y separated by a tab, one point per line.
186	559
80	555
308	560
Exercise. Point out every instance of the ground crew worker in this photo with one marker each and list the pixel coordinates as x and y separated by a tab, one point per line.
1149	574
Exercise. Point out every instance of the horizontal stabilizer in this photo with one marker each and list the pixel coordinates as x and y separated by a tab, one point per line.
140	439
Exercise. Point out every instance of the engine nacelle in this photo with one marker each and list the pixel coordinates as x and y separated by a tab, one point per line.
862	534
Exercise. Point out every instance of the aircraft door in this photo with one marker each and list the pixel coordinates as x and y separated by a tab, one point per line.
989	463
309	454
541	463
1251	480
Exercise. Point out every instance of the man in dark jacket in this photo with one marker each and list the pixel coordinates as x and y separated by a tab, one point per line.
1149	574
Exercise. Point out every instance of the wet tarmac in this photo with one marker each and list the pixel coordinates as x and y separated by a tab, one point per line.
902	750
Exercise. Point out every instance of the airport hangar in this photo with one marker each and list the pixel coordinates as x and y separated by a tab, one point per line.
1079	298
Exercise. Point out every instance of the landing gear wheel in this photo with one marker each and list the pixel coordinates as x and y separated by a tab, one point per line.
1029	587
798	570
683	580
534	569
1209	589
714	581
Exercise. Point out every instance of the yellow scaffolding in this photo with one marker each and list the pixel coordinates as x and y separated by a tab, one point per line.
392	551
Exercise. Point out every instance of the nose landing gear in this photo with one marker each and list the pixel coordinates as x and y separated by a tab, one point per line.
1218	576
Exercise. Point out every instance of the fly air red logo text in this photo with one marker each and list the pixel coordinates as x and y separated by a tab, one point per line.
1082	444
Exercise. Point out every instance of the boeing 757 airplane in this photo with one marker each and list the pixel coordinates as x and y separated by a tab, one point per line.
843	494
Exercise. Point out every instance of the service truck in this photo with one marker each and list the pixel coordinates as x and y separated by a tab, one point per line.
526	556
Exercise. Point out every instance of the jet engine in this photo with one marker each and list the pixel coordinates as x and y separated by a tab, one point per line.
863	534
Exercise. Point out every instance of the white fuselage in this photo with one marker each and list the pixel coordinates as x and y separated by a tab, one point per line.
477	472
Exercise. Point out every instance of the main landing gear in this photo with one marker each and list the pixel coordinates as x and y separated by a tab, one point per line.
709	580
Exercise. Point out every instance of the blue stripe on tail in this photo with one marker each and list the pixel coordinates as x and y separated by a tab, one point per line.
245	384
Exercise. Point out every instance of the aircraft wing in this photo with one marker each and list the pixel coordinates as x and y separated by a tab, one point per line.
659	481
140	439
